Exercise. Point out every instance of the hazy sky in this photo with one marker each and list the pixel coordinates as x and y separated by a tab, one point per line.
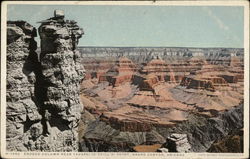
167	26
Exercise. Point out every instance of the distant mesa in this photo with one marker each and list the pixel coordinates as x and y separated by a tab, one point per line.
121	72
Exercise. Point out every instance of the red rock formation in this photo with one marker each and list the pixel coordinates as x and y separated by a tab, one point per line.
218	75
147	82
133	119
237	68
97	68
92	105
175	70
217	81
235	62
122	72
158	102
230	78
155	65
208	68
160	69
193	83
231	70
182	67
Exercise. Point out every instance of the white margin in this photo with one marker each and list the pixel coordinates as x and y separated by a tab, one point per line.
122	155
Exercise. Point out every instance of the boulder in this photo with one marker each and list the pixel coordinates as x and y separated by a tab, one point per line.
177	143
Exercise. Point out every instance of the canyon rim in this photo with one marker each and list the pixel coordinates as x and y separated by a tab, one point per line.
86	79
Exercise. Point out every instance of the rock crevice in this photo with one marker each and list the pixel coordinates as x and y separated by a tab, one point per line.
43	95
21	111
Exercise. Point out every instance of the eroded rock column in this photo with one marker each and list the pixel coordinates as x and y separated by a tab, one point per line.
22	112
58	85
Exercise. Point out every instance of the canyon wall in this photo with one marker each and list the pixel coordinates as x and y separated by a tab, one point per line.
203	131
43	115
189	91
179	61
144	53
200	131
22	112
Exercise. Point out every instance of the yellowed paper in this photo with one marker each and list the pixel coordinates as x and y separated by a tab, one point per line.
125	79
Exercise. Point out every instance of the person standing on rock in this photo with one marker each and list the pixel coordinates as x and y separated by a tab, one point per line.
47	118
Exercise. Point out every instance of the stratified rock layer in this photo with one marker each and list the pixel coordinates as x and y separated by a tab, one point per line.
59	86
191	91
43	102
120	73
177	143
21	110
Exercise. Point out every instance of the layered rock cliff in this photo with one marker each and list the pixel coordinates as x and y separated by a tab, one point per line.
59	86
45	111
183	93
21	111
120	73
200	133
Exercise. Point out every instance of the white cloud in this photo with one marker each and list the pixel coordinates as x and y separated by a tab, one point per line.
218	21
222	26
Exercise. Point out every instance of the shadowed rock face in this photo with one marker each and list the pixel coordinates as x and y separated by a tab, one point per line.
21	110
43	105
230	143
59	86
197	84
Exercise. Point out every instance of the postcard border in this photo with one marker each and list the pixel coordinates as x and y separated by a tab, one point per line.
93	155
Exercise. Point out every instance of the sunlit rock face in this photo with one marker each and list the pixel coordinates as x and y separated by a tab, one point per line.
120	73
43	90
177	143
21	111
195	94
59	86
